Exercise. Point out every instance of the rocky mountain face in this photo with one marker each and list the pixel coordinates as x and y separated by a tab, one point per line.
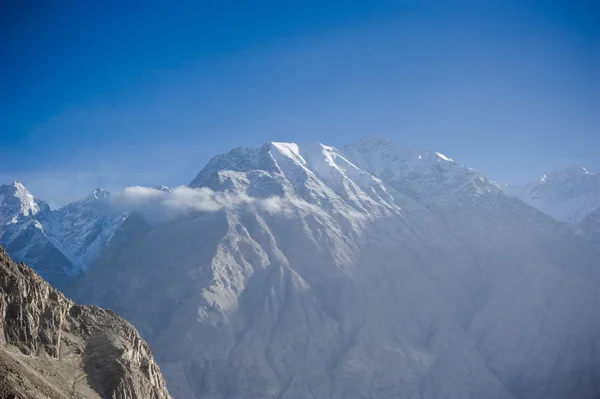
53	348
58	244
370	271
568	195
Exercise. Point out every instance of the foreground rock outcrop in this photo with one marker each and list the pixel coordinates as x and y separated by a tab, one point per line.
51	347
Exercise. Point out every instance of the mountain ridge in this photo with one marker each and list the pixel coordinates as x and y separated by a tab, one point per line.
405	277
568	195
66	241
372	270
59	243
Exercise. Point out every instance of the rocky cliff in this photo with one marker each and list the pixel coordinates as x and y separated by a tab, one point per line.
51	347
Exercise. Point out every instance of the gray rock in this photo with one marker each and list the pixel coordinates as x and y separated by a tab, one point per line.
52	347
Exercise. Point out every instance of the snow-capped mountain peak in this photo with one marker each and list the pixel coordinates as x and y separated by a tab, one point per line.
313	170
315	174
572	172
426	175
16	201
98	194
379	152
163	188
67	239
376	153
568	195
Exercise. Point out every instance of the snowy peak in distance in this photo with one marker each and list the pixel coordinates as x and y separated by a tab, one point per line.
96	201
572	172
16	201
568	195
163	188
98	194
24	223
424	175
83	228
56	243
392	152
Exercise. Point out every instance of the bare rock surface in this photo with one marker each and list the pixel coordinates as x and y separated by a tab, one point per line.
51	347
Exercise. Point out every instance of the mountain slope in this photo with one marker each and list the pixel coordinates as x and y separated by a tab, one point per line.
24	236
589	228
568	195
426	176
85	227
372	271
17	203
58	244
53	348
516	247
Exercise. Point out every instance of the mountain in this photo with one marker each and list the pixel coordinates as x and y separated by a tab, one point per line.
427	176
163	188
568	195
589	227
24	236
58	244
18	203
84	228
53	348
370	271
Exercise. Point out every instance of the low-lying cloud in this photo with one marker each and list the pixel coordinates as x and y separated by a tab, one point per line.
158	206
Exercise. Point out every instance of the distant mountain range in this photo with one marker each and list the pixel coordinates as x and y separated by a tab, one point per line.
568	195
571	196
367	271
61	243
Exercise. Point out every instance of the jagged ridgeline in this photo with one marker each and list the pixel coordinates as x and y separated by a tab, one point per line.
53	348
308	271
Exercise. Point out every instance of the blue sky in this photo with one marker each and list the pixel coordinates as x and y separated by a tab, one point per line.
111	95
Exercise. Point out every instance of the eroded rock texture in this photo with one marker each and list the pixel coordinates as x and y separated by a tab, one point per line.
52	347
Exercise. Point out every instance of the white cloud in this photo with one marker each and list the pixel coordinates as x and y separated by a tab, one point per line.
158	206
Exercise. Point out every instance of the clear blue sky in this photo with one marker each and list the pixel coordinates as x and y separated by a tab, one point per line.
110	94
